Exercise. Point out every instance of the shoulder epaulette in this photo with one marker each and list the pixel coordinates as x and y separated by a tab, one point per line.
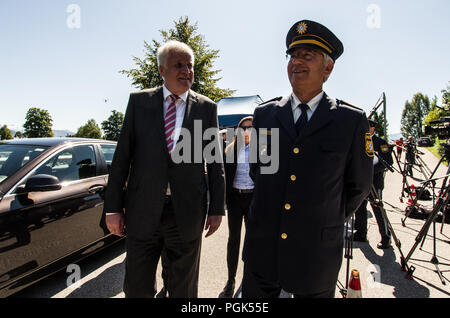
272	100
342	102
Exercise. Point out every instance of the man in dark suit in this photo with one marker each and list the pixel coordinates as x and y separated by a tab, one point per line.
163	204
295	227
383	152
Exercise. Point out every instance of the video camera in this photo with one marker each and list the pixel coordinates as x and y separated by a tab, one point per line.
440	127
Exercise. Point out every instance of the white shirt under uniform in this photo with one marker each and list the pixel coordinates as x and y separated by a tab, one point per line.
313	103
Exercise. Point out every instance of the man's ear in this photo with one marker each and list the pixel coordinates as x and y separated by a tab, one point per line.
161	71
329	68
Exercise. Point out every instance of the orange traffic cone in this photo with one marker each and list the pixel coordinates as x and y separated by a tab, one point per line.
354	286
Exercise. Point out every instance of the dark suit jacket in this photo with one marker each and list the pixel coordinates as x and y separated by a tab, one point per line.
333	175
142	168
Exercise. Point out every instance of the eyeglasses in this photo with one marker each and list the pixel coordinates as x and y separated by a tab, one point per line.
306	56
246	127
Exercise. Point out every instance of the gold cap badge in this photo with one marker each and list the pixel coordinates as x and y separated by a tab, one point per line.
301	28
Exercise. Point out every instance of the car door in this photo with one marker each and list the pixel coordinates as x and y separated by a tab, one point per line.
42	227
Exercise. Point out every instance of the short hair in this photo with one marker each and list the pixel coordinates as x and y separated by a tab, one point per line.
326	60
172	45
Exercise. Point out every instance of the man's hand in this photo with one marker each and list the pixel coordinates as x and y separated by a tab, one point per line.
115	224
212	223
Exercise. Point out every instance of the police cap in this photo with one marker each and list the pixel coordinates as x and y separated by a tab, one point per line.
310	34
372	123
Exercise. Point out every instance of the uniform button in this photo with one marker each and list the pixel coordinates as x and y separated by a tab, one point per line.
293	177
287	206
284	236
296	150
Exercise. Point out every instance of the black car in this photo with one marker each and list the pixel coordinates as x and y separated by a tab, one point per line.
51	201
425	142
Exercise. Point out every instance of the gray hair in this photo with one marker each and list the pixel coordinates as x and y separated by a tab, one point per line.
172	45
326	60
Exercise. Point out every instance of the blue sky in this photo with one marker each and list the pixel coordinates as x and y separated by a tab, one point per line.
70	72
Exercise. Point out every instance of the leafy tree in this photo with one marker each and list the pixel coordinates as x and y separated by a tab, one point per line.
379	119
18	134
147	75
446	96
89	130
413	115
113	125
5	133
38	123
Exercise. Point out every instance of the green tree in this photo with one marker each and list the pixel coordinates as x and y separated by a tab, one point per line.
113	125
89	130
414	114
18	134
146	75
379	130
5	133
446	96
38	123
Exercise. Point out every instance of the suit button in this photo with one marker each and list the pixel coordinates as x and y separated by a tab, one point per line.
293	177
296	150
287	206
284	236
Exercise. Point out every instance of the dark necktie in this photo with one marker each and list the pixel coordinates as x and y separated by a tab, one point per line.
303	119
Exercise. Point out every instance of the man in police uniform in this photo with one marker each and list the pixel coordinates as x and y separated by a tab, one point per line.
294	237
383	152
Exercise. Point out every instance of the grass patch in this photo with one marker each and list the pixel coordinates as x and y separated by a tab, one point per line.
437	150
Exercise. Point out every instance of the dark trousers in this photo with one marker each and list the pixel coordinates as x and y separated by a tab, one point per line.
361	219
238	206
256	286
182	262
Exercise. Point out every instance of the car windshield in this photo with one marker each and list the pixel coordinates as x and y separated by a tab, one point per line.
14	157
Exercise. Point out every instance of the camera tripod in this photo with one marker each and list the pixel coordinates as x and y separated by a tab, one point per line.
348	254
442	202
413	206
377	203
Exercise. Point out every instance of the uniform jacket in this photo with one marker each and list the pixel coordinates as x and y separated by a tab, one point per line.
142	168
384	151
324	174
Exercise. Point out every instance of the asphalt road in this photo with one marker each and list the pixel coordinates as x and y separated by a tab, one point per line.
380	274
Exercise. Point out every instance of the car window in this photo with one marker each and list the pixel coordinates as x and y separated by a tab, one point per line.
71	164
14	157
108	153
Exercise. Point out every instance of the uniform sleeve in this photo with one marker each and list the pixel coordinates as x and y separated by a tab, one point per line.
359	170
120	165
216	175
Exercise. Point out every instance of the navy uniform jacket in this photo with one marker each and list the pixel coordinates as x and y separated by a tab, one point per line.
384	151
296	222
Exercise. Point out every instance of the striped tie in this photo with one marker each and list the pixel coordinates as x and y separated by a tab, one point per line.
169	122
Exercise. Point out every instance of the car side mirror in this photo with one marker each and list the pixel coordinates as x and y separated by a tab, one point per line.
40	183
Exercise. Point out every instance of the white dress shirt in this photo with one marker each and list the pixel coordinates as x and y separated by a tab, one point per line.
313	103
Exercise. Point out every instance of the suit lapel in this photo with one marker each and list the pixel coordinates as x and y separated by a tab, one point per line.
190	104
286	118
321	117
156	104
